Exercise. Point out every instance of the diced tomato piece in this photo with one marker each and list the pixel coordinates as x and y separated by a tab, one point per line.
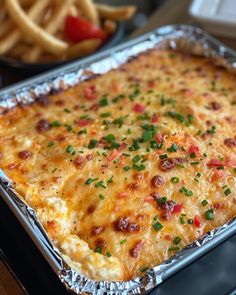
217	174
193	149
90	92
113	155
139	108
83	122
78	29
197	221
159	138
154	119
215	163
177	208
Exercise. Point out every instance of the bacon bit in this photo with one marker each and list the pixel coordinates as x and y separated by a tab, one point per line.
168	237
24	155
43	182
44	100
43	125
177	208
157	181
193	149
154	119
209	122
56	179
94	107
91	209
137	176
159	138
216	175
89	157
122	146
197	221
215	163
59	102
170	163
122	224
100	243
97	230
218	206
133	186
83	122
60	137
90	92
139	108
134	252
230	142
215	106
112	155
79	161
122	195
1	155
152	84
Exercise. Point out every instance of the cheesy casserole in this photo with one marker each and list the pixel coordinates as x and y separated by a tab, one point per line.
127	168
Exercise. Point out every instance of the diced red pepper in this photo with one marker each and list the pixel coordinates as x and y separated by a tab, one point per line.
177	208
122	146
197	221
154	119
139	108
193	149
83	122
152	84
90	92
215	163
113	155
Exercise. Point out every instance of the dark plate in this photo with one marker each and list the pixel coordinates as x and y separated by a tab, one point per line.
14	63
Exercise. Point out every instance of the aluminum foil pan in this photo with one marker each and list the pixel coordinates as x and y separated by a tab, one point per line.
184	38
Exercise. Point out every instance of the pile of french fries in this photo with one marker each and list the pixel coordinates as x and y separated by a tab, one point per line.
33	30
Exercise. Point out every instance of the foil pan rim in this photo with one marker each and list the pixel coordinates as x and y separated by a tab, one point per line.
182	37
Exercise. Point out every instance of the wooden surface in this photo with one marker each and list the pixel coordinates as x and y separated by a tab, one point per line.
171	12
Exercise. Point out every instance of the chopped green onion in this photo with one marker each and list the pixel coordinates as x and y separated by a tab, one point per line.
164	156
157	226
227	191
90	180
51	143
92	144
177	240
101	197
126	168
204	202
174	248
144	268
122	242
136	159
173	148
56	123
101	183
174	179
69	149
108	254
98	250
209	214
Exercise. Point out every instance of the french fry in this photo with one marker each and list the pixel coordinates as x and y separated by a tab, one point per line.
115	13
14	36
52	26
38	35
6	26
110	26
83	48
89	10
19	50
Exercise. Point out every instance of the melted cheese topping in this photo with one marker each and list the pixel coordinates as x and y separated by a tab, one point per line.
127	168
